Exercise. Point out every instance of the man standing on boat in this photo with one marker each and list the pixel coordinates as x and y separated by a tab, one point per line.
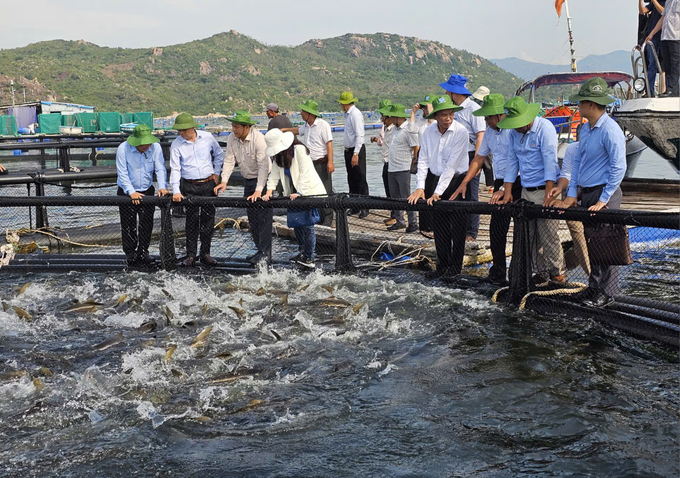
598	169
195	163
246	146
495	143
136	161
475	126
403	148
533	155
669	25
355	149
442	165
316	134
653	11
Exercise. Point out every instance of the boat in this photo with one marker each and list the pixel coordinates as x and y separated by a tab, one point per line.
655	120
567	119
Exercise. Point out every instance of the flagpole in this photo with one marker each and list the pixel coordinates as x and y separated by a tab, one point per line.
571	38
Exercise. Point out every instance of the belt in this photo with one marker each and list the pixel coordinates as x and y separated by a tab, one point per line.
198	181
324	159
537	188
593	188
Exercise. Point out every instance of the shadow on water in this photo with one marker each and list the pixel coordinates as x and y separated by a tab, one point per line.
281	374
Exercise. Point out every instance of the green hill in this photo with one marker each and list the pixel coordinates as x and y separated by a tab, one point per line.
229	71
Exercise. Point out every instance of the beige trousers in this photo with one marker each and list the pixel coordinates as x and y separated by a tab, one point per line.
546	248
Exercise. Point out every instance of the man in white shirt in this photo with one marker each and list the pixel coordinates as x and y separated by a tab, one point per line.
246	146
355	149
442	165
403	148
383	140
316	134
475	126
195	164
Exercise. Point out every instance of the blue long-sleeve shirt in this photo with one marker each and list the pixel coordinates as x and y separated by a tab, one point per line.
533	155
199	159
600	159
135	169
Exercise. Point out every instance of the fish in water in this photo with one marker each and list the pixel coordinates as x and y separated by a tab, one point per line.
170	350
224	355
108	343
85	307
228	379
5	306
13	375
44	372
275	334
167	294
328	288
336	322
38	384
330	302
199	340
168	315
22	314
23	288
203	419
176	373
357	307
251	404
147	327
239	312
120	300
303	288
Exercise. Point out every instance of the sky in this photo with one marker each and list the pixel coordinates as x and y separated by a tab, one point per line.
491	28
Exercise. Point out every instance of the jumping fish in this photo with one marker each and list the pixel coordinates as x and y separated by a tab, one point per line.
45	372
176	373
38	384
303	288
120	300
328	288
334	322
108	343
147	327
22	314
87	306
224	355
251	404
168	315
5	306
228	379
357	307
13	375
170	350
239	312
167	294
203	419
275	334
331	302
199	340
23	288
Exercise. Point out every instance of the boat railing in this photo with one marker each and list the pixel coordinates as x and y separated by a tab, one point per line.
642	58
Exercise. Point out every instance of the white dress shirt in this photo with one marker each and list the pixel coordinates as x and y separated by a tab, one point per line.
473	124
315	137
401	148
445	155
199	159
354	130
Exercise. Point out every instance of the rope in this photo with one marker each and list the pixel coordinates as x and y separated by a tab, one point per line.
23	231
494	298
576	287
235	222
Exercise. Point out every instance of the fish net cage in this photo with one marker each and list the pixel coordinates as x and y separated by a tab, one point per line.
540	258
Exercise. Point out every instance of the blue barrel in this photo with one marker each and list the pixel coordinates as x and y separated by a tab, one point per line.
17	152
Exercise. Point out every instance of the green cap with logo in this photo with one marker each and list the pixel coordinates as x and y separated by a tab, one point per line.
431	97
397	111
443	103
595	90
384	107
347	98
184	121
492	104
241	117
141	135
311	107
518	113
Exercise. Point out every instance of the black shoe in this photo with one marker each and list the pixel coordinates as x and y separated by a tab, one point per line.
208	261
396	227
297	257
438	273
363	213
190	261
580	297
497	280
599	301
131	259
412	228
259	257
304	261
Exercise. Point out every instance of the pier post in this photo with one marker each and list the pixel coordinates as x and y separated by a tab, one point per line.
343	252
40	211
167	242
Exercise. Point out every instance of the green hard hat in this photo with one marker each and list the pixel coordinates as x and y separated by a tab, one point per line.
595	90
141	135
384	107
518	113
311	107
184	121
493	104
397	111
443	103
241	117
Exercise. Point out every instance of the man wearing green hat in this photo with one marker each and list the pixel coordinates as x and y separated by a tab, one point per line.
246	146
195	163
533	155
316	134
355	149
495	143
403	148
442	165
136	161
383	140
597	171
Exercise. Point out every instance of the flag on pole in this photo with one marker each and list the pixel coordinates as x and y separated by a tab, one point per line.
558	7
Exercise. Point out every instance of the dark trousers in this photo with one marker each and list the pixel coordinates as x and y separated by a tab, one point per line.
400	188
487	167
136	234
356	175
386	183
651	62
498	230
200	219
449	228
473	195
321	167
259	219
603	278
671	64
